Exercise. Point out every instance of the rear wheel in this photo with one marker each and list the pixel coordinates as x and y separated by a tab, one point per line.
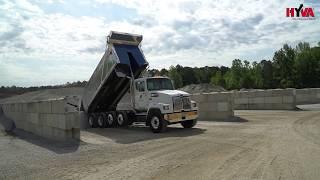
110	118
157	123
122	119
92	120
189	123
101	121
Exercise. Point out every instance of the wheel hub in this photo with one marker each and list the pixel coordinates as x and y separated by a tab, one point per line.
90	121
155	122
100	121
120	119
110	118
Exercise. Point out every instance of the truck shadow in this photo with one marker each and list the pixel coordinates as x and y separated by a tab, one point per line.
136	133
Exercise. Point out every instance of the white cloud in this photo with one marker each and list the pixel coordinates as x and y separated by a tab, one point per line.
193	33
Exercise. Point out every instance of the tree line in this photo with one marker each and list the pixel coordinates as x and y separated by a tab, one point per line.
290	67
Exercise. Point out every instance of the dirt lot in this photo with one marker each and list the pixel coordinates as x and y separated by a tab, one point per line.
258	145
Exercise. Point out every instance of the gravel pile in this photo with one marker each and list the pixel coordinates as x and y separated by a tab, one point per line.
44	95
202	88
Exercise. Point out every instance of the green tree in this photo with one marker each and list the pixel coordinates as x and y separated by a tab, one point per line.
256	73
164	72
175	76
306	66
283	61
267	74
218	79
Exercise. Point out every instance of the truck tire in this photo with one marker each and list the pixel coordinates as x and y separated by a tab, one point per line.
92	121
101	121
110	118
189	123
122	119
157	123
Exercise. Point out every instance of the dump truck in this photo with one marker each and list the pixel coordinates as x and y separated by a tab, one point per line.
151	100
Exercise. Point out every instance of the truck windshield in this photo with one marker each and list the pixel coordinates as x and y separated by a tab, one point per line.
155	84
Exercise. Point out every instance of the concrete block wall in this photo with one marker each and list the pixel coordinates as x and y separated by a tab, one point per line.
214	106
53	119
308	96
272	99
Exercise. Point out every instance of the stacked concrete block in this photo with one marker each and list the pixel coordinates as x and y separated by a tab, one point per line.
272	99
51	119
308	96
214	106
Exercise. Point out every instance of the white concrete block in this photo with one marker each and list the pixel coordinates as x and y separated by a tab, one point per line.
219	97
199	98
243	94
24	107
33	107
207	106
259	106
202	115
45	107
58	106
303	98
241	106
270	100
76	133
12	107
47	132
256	100
219	115
288	99
83	118
278	106
260	93
222	106
302	91
32	118
241	100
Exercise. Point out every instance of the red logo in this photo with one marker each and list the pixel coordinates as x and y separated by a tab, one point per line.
296	12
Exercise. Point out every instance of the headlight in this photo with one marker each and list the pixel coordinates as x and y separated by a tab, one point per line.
194	104
166	107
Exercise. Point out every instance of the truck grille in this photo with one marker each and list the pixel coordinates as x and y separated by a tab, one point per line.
181	103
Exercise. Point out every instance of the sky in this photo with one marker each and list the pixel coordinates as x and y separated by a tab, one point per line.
57	41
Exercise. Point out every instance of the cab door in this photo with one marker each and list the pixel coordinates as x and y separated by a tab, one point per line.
141	99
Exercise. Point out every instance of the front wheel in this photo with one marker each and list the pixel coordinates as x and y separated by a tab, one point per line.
189	123
157	123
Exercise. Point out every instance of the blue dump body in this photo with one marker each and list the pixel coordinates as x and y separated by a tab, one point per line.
111	79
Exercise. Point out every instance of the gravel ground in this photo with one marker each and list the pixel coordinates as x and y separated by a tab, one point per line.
256	145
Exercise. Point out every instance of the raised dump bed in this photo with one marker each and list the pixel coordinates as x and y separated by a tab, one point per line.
122	62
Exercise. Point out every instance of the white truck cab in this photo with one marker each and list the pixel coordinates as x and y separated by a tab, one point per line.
159	104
